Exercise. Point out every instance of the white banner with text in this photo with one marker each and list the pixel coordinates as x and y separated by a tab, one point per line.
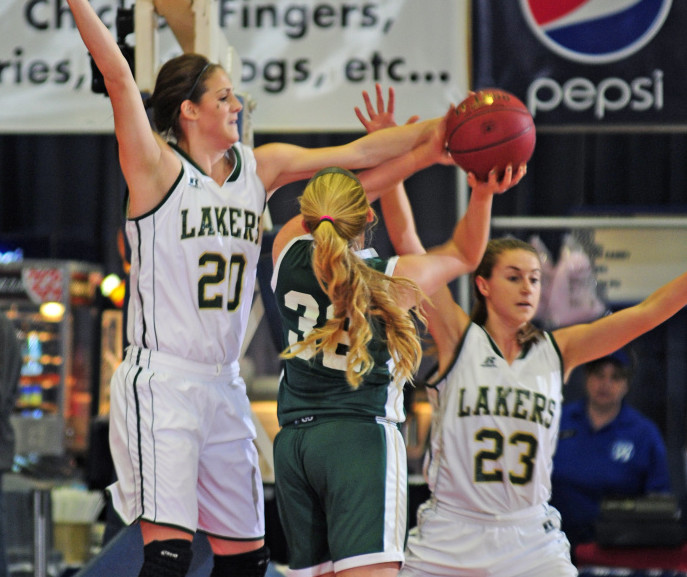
303	64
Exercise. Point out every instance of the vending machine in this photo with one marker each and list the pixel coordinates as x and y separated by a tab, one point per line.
54	307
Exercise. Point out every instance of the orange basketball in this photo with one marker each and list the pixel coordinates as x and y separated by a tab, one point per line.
490	129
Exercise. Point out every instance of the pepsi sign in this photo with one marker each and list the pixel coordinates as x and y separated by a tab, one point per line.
615	63
595	31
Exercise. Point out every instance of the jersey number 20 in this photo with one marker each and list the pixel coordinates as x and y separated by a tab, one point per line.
218	271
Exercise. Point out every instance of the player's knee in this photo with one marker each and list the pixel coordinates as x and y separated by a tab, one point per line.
249	564
168	558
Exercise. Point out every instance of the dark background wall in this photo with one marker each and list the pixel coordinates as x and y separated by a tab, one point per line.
61	197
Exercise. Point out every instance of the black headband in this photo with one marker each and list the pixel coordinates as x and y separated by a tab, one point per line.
195	83
335	170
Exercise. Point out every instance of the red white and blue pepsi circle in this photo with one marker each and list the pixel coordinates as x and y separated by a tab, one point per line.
595	31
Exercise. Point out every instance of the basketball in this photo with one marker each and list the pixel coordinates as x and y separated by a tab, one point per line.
490	128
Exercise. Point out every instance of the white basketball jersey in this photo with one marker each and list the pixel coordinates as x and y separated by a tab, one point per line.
495	426
193	263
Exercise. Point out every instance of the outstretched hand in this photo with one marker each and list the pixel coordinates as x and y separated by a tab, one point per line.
493	185
433	145
380	117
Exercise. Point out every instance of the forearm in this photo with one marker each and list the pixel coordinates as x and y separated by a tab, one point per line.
399	221
389	174
581	343
665	301
471	234
280	163
99	41
180	17
388	143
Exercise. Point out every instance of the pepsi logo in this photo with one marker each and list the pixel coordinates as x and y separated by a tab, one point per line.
595	31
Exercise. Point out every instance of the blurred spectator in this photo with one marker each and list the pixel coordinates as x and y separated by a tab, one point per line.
10	368
605	449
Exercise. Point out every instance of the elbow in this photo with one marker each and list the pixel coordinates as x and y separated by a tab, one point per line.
472	261
469	259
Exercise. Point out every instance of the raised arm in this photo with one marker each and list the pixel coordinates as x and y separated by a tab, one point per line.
461	253
376	180
180	17
471	234
148	172
383	178
446	320
398	214
280	163
400	221
584	342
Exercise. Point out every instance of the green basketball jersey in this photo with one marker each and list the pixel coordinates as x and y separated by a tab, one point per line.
317	385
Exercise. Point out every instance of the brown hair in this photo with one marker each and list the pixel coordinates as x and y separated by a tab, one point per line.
335	209
621	360
495	248
181	78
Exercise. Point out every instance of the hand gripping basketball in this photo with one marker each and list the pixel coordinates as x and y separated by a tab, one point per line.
490	129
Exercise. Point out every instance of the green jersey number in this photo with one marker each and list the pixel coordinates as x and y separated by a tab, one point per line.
215	272
308	312
485	468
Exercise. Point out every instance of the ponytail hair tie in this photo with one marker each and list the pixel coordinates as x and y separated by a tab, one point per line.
326	217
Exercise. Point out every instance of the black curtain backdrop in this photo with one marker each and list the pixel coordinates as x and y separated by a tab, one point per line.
61	197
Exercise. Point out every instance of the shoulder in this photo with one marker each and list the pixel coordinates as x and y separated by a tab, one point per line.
289	231
548	340
373	260
465	352
295	253
245	155
475	335
574	410
643	424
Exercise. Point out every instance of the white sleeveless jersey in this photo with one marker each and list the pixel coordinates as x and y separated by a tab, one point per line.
193	263
495	427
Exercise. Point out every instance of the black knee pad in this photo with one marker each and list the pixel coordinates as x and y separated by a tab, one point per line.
168	558
249	564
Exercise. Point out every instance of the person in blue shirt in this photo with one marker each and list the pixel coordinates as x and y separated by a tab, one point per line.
606	448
